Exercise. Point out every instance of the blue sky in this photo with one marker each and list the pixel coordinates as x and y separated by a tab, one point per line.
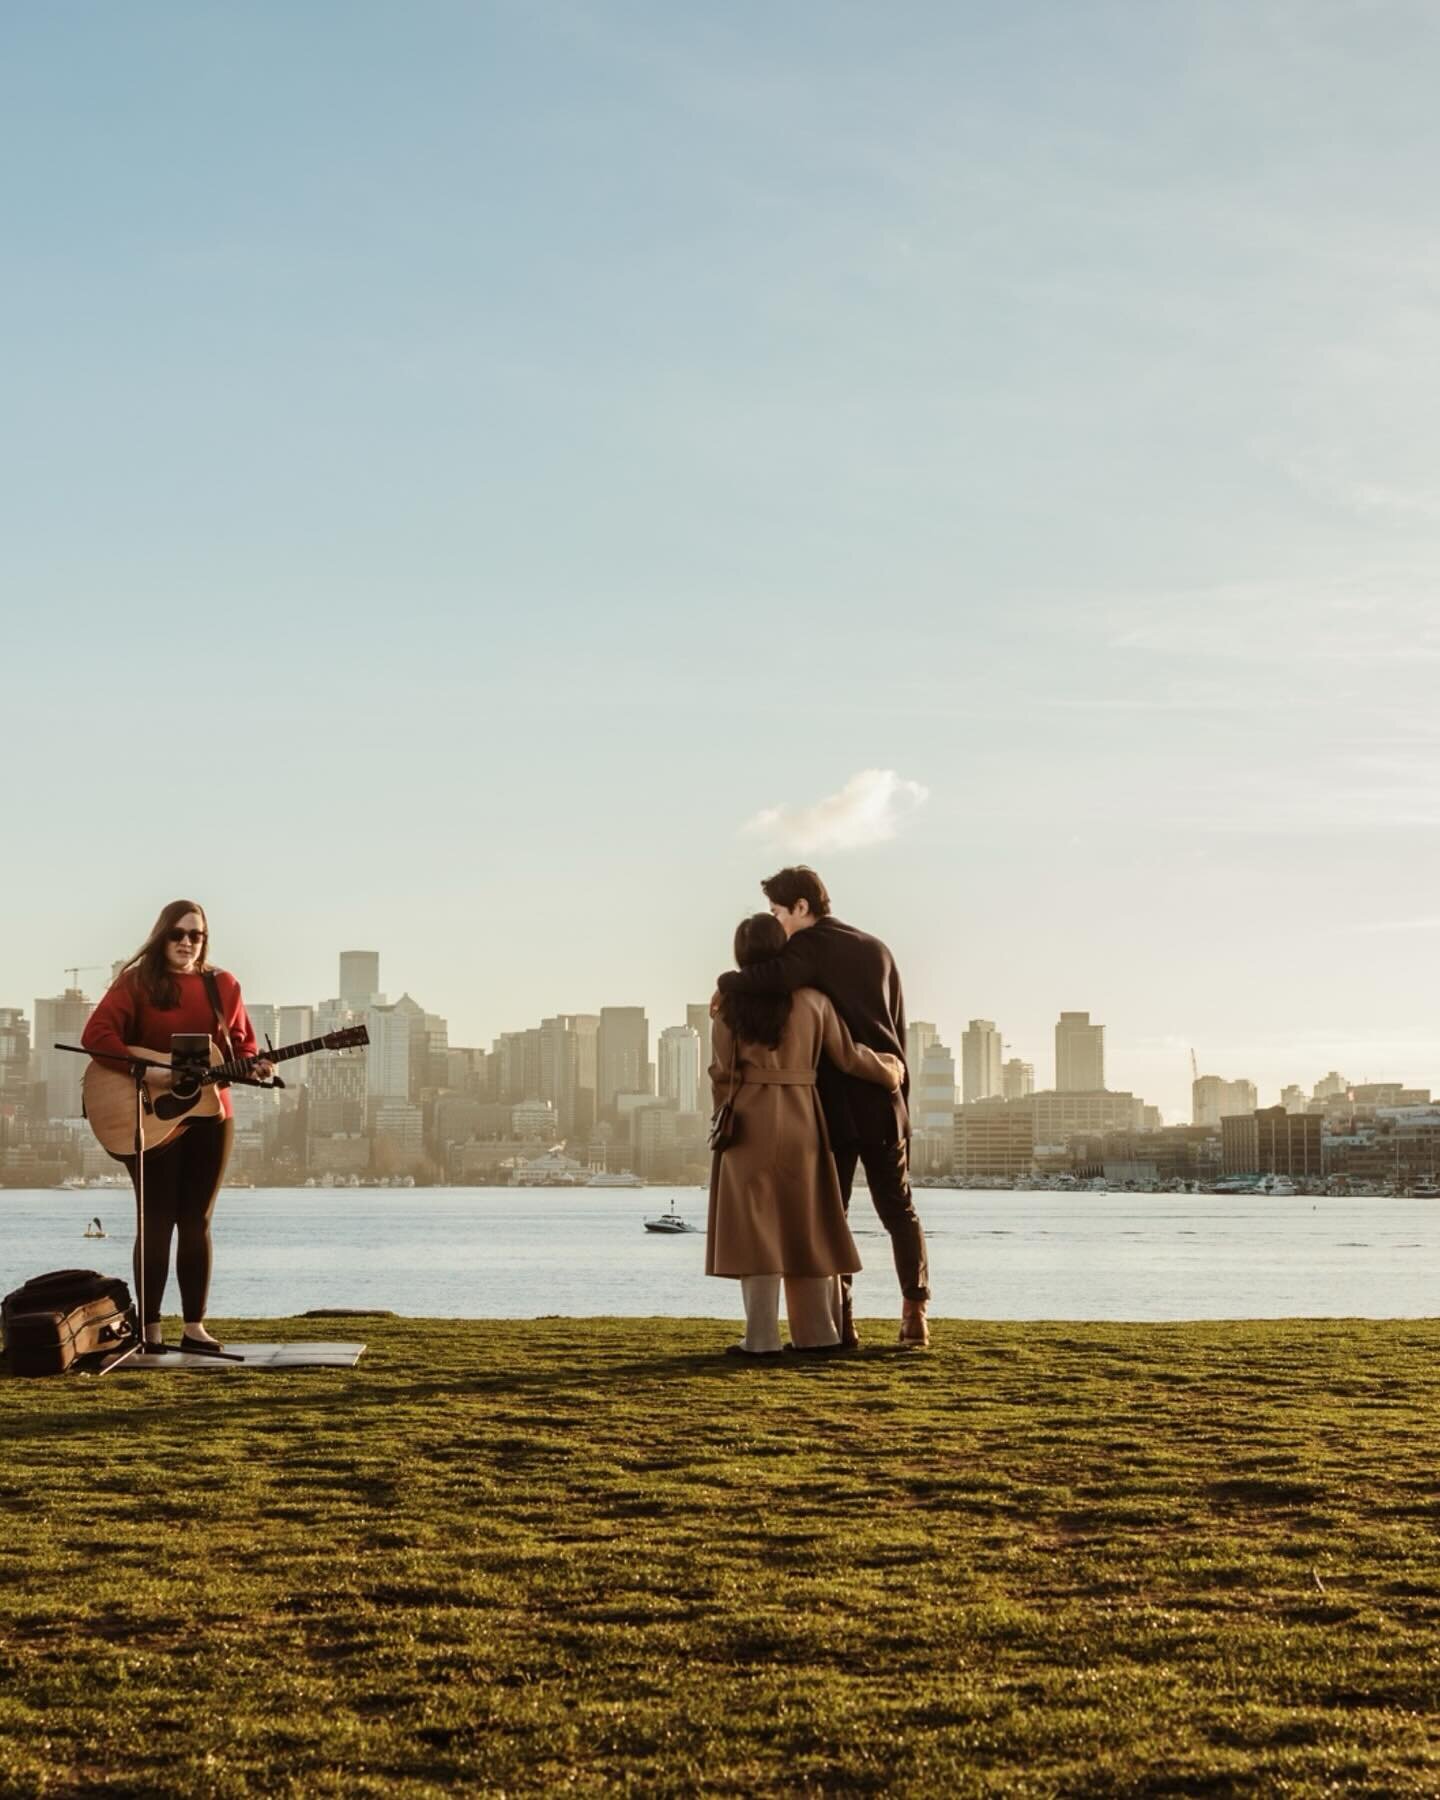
470	460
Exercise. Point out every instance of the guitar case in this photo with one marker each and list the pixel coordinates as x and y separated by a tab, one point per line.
65	1320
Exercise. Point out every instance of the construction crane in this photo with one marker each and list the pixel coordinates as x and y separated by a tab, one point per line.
82	969
1194	1067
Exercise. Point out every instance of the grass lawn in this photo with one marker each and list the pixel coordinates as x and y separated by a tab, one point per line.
588	1555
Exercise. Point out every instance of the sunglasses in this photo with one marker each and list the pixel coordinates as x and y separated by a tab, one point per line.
187	937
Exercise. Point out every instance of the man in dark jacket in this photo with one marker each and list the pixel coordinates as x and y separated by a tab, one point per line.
867	1124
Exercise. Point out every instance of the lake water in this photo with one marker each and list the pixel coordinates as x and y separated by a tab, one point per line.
509	1253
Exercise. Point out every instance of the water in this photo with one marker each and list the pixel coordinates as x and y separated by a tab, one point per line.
507	1253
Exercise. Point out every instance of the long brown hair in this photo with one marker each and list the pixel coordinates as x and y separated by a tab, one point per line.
757	1018
148	971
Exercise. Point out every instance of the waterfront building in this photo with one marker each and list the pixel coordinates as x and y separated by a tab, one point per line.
1062	1116
994	1137
1271	1141
534	1121
1079	1054
60	1018
1017	1079
1212	1099
623	1054
981	1054
679	1054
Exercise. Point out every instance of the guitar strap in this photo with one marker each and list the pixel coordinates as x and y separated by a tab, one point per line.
212	988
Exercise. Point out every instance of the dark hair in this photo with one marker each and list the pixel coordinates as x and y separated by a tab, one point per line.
787	886
148	970
757	1018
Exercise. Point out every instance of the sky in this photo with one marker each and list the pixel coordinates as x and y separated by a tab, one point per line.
489	482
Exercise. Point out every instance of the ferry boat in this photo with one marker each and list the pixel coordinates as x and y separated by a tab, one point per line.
614	1178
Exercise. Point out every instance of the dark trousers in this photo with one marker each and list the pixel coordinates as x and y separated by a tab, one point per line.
182	1180
887	1169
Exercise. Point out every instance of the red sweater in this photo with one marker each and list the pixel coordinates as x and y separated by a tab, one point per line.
124	1017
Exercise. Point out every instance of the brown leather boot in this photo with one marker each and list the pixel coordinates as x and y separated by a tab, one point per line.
914	1332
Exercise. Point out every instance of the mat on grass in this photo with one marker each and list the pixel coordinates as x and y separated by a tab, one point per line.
257	1356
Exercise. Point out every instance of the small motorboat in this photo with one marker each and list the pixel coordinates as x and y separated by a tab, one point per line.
670	1224
95	1230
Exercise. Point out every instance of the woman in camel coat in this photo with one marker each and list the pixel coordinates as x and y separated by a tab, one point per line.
775	1207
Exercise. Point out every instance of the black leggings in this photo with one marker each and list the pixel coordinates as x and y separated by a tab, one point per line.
182	1180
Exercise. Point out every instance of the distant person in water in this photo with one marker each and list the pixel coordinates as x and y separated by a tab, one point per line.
776	1210
869	1124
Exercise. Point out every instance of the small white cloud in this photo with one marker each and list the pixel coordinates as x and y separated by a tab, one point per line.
869	809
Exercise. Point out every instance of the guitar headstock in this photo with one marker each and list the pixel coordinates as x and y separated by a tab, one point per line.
347	1039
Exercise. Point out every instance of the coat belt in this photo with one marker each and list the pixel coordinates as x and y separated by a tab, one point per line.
778	1077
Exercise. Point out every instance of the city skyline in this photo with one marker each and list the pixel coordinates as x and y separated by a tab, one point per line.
640	1057
565	466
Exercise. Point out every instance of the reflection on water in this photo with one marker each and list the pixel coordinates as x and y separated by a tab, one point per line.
498	1253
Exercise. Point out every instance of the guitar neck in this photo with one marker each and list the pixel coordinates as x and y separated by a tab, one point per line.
241	1066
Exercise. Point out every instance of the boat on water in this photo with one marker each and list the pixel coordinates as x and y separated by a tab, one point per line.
604	1178
1425	1190
670	1224
95	1230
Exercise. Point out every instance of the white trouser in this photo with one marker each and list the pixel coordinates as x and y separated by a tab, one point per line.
812	1304
761	1297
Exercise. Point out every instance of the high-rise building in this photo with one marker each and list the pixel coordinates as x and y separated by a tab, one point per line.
1017	1079
1079	1055
697	1017
359	979
14	1056
980	1059
336	1095
387	1058
586	1027
679	1065
932	1111
296	1026
623	1053
60	1019
1271	1141
919	1036
1293	1099
1213	1099
1333	1086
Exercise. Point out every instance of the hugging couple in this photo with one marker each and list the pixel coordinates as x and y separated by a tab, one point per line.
808	1046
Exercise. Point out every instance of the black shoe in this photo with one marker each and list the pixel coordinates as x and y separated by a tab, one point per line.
752	1355
200	1346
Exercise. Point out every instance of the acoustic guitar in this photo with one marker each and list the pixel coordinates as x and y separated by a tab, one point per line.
110	1092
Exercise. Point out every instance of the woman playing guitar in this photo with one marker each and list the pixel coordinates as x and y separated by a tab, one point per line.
166	988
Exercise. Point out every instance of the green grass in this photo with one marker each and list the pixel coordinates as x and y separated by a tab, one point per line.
582	1556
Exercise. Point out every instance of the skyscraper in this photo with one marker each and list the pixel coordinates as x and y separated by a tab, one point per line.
1213	1099
1017	1079
1079	1055
679	1053
919	1036
60	1019
980	1057
359	978
932	1104
697	1017
622	1053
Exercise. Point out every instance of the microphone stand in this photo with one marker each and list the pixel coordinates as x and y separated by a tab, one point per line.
137	1067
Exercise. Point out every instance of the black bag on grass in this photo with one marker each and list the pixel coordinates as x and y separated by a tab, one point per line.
67	1317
